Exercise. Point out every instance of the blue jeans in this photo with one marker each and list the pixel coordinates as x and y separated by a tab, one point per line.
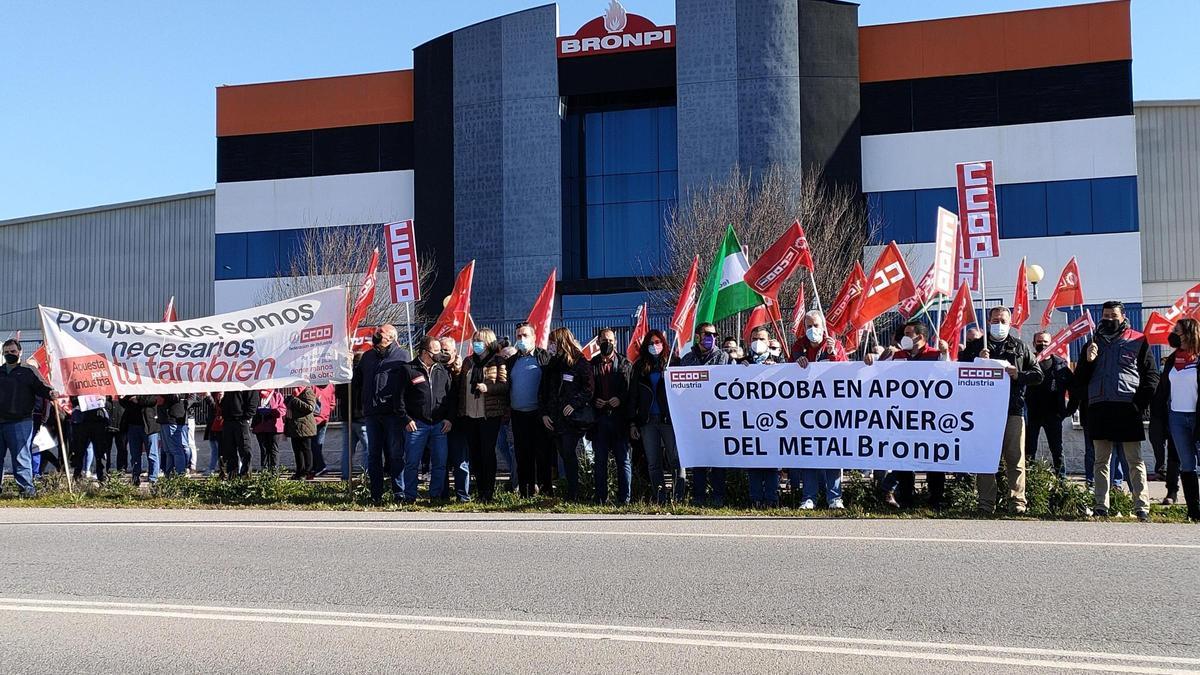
460	462
385	440
608	438
214	457
1183	432
139	441
414	448
1118	467
702	476
813	478
16	441
174	440
318	447
764	486
508	450
356	435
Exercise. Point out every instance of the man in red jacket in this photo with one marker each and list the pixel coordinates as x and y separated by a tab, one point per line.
816	345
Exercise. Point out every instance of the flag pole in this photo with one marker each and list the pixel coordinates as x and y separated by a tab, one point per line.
816	293
62	441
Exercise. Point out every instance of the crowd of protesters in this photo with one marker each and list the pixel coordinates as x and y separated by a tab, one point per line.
444	417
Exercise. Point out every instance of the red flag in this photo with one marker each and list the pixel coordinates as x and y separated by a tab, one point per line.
543	311
847	302
979	230
798	313
366	295
1188	305
766	314
854	339
1068	292
911	306
591	349
1020	310
169	313
889	283
41	359
641	326
1081	327
455	320
779	261
684	318
961	314
1157	328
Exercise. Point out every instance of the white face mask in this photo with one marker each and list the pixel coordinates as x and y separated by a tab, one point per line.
814	334
906	343
655	349
552	349
998	331
758	346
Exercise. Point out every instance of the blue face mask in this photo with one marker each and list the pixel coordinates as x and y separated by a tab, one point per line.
478	347
524	345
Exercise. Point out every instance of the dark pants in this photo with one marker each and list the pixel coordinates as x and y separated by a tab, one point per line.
1166	459
302	449
1053	426
535	453
101	440
568	441
459	461
122	453
268	450
609	438
385	452
702	477
481	439
235	447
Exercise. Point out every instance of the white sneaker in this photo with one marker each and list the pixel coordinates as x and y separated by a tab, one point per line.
837	505
807	505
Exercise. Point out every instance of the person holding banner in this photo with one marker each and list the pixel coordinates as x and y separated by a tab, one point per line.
20	387
266	426
567	394
482	406
237	411
1177	399
650	419
1001	344
705	353
1119	375
142	435
385	434
172	422
764	483
91	426
816	345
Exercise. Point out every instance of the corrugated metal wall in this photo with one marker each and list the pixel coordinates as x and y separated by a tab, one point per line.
1168	157
122	261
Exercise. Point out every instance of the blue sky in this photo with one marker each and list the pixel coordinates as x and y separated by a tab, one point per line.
112	101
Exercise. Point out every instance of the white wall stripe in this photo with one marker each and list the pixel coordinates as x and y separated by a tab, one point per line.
350	199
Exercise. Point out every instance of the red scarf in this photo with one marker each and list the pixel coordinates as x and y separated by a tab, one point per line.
1183	359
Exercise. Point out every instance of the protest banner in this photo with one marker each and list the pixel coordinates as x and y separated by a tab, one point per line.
294	342
402	262
910	416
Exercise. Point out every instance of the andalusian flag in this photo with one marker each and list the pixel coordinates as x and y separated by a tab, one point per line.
725	291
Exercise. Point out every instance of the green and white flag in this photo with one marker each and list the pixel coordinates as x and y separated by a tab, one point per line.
725	291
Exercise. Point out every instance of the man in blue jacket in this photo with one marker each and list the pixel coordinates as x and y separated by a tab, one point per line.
385	433
20	387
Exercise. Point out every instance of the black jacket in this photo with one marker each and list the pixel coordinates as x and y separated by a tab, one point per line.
19	388
140	411
173	409
642	395
98	417
617	381
374	376
1048	398
564	385
425	395
1015	352
239	406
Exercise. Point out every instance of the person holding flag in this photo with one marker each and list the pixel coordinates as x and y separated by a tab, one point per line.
20	387
610	372
1046	404
817	345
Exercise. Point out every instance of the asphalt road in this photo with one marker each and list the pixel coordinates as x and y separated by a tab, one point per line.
267	591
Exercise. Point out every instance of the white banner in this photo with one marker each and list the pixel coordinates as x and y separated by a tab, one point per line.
910	416
284	344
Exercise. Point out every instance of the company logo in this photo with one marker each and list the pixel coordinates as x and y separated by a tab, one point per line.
683	376
979	373
616	31
316	334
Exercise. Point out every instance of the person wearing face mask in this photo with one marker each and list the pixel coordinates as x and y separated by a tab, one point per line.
816	345
385	434
704	352
482	405
536	456
300	426
650	419
1166	456
424	401
567	394
266	426
1177	401
1046	405
764	483
1118	374
610	373
1002	345
20	387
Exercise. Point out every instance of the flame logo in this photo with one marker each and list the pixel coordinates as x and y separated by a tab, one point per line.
1069	280
614	17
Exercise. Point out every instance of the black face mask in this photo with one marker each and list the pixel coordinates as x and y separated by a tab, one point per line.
376	339
1037	349
1174	340
1109	326
441	357
606	348
11	359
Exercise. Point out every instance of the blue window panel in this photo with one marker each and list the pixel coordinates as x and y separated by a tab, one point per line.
594	190
291	245
632	239
1022	210
630	187
668	185
927	203
593	144
231	256
1114	204
262	254
1069	207
595	241
895	215
630	141
668	157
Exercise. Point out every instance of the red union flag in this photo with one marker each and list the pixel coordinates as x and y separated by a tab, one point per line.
366	295
889	283
1020	310
960	315
945	249
1081	327
1157	328
798	312
641	326
1068	292
616	31
169	314
402	261
911	306
778	262
684	318
979	231
591	349
543	311
455	319
844	310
